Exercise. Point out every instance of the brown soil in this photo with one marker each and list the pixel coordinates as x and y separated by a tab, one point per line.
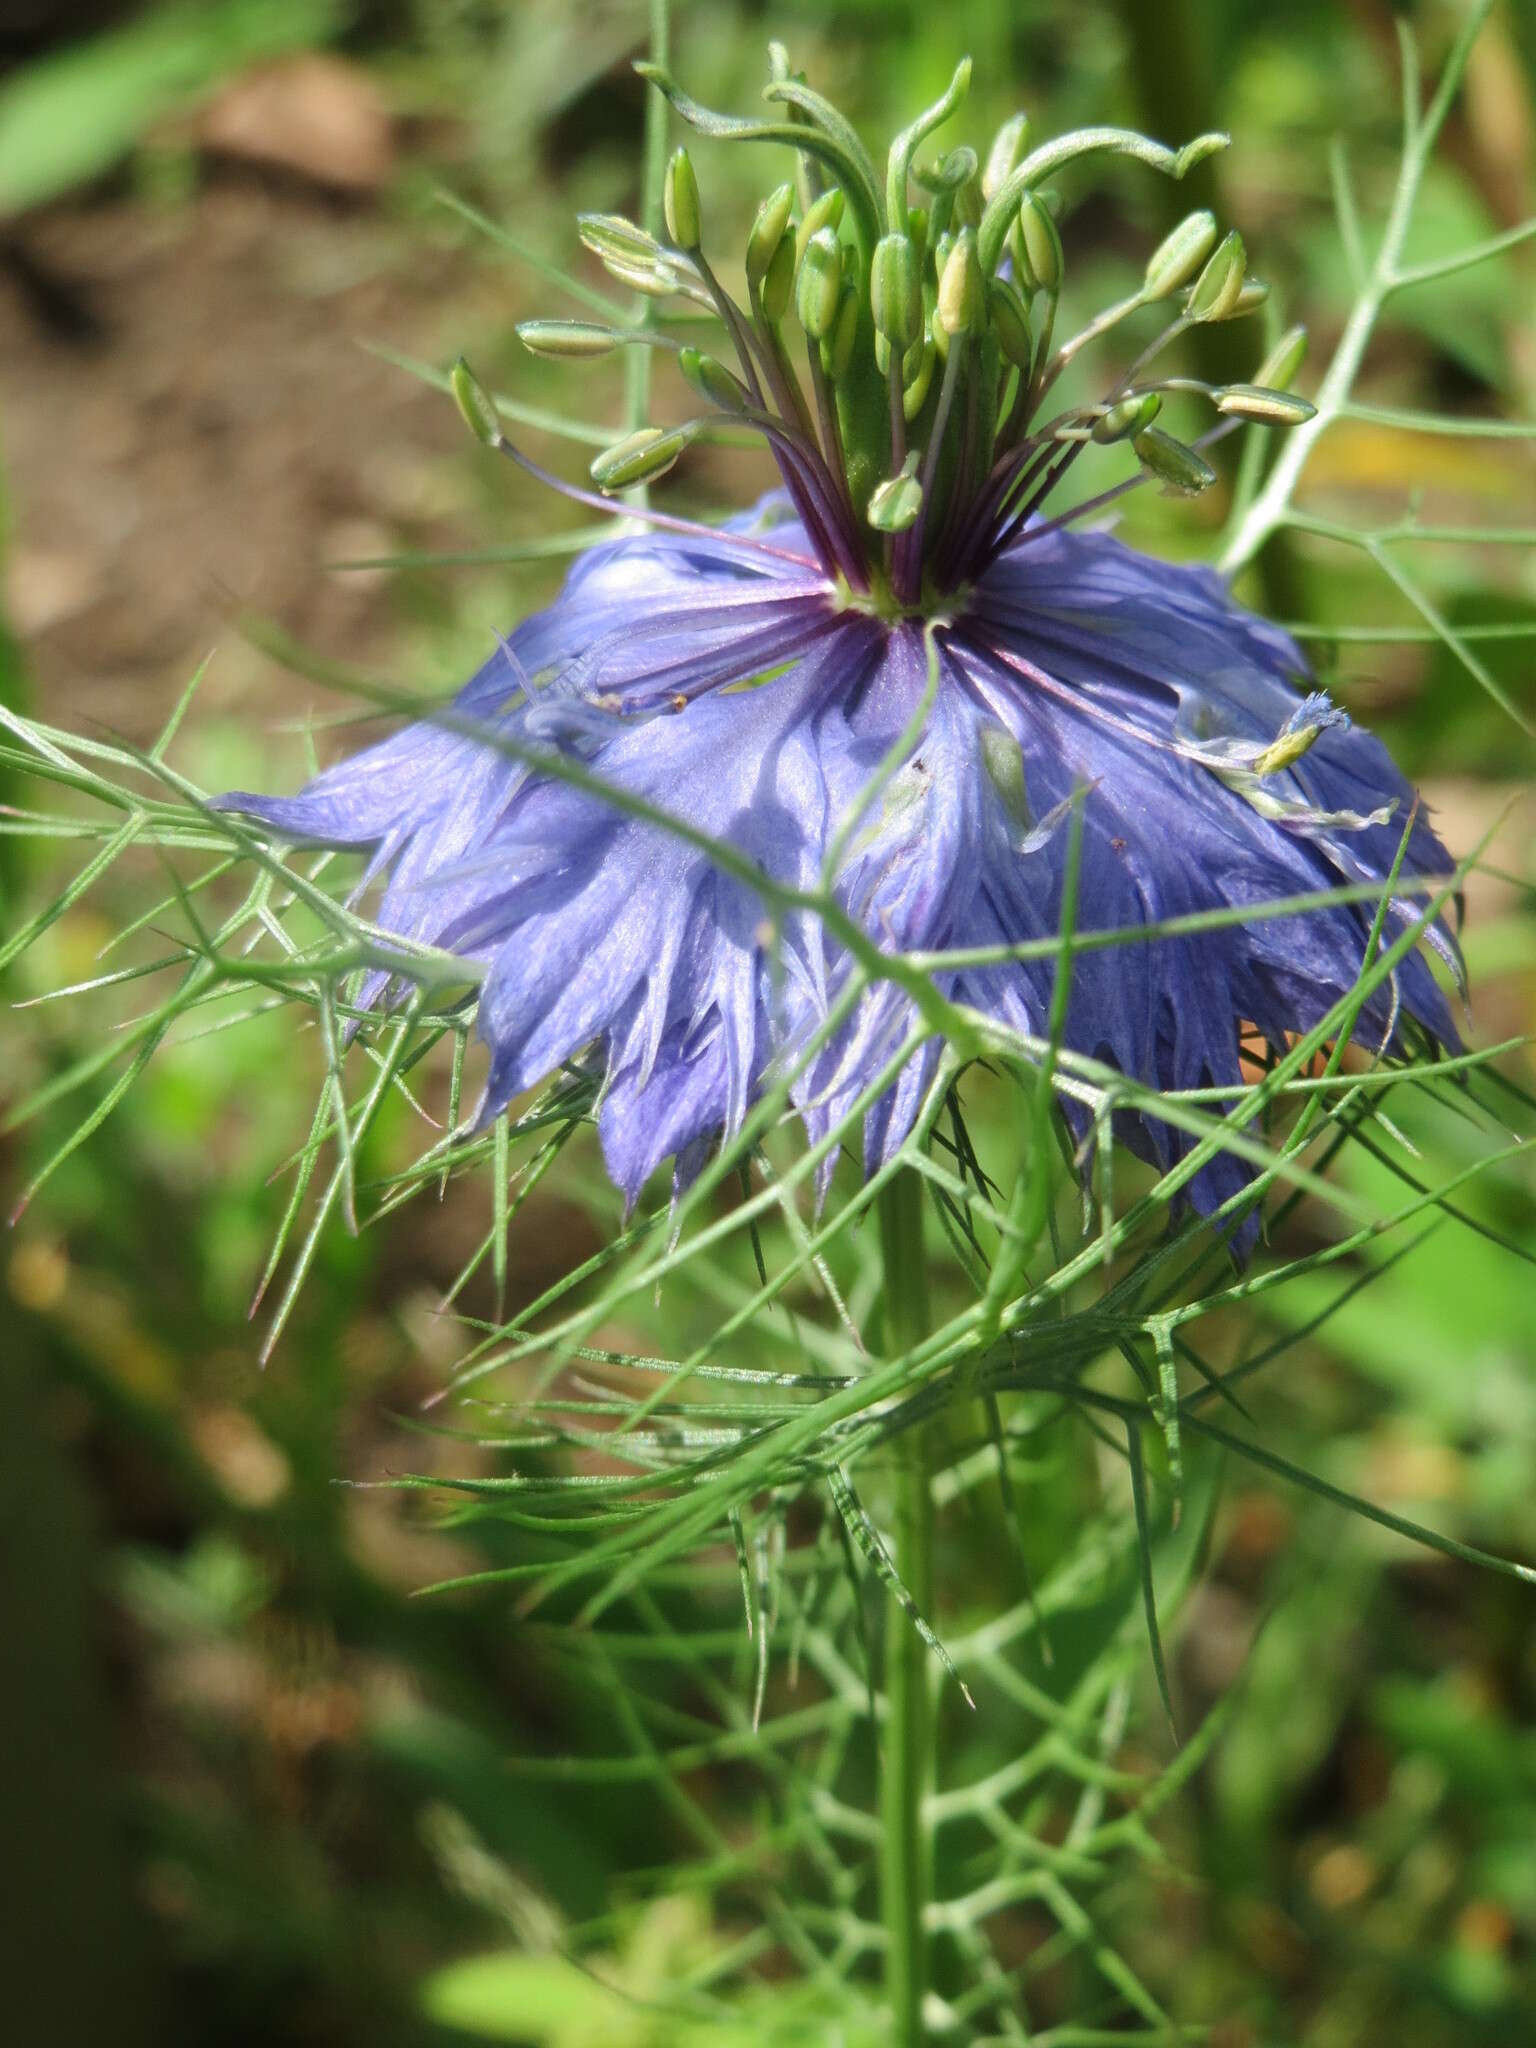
190	429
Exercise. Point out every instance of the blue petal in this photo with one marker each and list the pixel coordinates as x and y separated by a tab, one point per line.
724	688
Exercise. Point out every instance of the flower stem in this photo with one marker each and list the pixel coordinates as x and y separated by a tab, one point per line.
653	166
906	1773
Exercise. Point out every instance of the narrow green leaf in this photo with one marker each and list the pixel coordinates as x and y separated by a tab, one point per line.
1144	1551
871	1547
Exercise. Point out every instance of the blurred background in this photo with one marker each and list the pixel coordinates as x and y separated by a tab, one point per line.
252	1789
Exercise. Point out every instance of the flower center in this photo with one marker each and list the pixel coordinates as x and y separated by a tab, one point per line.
896	347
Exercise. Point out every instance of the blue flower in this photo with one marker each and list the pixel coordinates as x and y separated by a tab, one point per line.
751	680
1074	663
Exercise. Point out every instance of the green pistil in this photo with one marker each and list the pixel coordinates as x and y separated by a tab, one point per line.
914	437
931	606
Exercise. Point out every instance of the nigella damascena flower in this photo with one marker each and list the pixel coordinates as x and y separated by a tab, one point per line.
751	680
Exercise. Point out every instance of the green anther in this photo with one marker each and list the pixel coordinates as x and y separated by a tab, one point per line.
768	232
779	282
568	337
962	288
1278	370
953	185
654	280
1128	416
1289	747
680	201
1003	760
837	349
827	212
474	402
1180	468
1006	153
615	239
896	291
895	504
1214	294
1258	402
1010	322
914	395
1250	298
1013	242
1179	255
640	457
1039	246
819	285
713	381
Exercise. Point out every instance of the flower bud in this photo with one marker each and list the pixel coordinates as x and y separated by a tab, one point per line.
827	212
1006	153
680	201
895	504
1179	255
713	381
567	337
640	457
1010	322
768	231
1215	291
818	286
1278	370
779	281
1170	461
475	403
837	349
896	291
962	288
1127	416
1258	402
1039	246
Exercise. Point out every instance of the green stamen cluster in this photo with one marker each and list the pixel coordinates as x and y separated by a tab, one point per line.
897	343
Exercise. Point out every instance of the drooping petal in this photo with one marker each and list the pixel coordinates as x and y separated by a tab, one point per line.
1100	661
700	682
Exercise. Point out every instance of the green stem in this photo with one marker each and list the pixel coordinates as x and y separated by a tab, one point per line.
653	170
1267	513
1177	87
906	1774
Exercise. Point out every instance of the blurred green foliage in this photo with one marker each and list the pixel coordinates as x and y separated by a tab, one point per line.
66	118
265	1788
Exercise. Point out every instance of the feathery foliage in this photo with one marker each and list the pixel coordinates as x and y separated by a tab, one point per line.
717	1429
